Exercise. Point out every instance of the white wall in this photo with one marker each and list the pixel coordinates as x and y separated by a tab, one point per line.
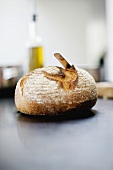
109	18
63	25
14	19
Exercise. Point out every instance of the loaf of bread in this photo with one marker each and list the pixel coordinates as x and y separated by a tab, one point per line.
55	90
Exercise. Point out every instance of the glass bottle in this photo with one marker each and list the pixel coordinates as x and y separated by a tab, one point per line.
35	48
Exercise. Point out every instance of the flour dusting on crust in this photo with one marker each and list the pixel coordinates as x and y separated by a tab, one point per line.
40	89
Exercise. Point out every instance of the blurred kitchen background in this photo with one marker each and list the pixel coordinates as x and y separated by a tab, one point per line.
81	30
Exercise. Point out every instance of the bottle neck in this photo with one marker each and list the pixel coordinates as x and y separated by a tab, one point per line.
32	30
34	38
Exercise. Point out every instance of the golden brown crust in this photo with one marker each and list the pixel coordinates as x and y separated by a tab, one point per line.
67	78
55	90
48	101
32	108
22	82
62	60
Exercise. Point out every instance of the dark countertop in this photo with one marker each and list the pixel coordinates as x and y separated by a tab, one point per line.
62	143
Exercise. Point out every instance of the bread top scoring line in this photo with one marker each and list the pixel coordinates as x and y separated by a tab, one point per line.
67	76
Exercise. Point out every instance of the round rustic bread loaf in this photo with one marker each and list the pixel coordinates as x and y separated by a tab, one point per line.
38	94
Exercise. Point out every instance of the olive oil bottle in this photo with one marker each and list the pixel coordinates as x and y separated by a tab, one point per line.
35	57
34	45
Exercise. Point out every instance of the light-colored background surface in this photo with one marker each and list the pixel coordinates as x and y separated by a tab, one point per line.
75	28
109	23
81	30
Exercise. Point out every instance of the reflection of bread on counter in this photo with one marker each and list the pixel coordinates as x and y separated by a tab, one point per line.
54	90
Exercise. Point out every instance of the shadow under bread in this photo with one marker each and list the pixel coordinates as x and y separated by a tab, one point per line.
67	116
